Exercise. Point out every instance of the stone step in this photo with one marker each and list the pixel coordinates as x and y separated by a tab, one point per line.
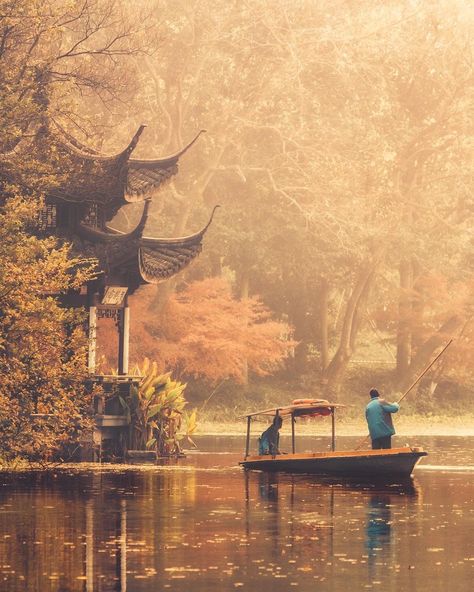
140	457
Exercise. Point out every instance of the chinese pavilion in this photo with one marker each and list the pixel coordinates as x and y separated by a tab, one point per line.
77	209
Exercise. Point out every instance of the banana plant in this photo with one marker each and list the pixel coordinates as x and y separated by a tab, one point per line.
156	412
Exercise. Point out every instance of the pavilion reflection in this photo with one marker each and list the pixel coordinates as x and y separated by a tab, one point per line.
120	579
117	528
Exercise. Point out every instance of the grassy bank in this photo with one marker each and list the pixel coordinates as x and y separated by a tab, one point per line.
405	426
220	410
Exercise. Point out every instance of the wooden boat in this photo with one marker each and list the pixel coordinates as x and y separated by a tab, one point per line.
394	463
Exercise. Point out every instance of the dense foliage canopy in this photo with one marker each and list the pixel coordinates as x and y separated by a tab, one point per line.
47	50
339	143
340	146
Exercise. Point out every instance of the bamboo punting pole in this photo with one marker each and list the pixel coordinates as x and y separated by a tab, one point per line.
425	371
414	383
293	449
333	430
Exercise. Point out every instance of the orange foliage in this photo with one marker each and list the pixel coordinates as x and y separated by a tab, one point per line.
435	299
205	333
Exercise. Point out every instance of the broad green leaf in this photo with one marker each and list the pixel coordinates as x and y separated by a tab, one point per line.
151	442
154	410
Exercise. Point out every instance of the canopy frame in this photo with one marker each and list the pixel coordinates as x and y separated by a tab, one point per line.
294	411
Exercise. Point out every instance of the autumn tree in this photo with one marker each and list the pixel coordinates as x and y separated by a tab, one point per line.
342	147
43	406
206	333
50	54
56	54
338	143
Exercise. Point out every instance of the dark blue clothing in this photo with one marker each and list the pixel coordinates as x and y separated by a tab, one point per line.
378	414
382	443
269	440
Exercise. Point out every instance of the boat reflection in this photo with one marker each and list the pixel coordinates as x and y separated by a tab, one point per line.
282	510
269	482
287	509
385	506
268	486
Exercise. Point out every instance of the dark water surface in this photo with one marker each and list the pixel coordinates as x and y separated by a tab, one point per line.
203	524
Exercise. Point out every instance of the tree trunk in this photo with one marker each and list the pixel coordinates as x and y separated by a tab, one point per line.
418	309
165	290
426	351
302	328
323	324
216	264
350	326
244	294
405	303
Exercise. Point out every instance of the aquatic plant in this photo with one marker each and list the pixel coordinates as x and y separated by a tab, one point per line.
156	412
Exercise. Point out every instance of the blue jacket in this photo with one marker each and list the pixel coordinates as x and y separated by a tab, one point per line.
379	419
269	441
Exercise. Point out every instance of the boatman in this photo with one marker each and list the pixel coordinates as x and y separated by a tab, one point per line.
269	441
379	418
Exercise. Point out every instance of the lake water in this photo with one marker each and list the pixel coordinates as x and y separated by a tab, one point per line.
204	524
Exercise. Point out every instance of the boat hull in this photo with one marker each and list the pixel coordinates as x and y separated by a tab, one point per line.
376	464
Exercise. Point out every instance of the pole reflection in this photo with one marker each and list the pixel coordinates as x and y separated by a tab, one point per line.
268	486
89	546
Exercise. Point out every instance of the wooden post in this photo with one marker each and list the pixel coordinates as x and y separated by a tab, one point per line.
292	432
247	443
124	337
92	339
333	426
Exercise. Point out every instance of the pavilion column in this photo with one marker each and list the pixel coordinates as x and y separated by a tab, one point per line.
91	359
124	340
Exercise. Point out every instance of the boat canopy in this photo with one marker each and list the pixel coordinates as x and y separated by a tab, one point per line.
316	407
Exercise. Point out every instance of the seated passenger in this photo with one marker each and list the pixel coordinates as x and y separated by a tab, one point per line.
270	439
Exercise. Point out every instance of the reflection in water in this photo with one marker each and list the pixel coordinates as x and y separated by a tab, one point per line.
120	580
207	527
378	527
379	530
89	546
121	549
268	486
284	512
293	518
68	532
